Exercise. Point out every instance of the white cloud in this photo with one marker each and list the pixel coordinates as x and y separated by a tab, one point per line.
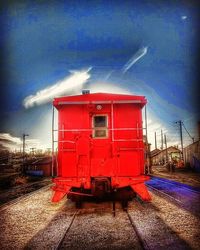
183	17
140	53
15	143
155	125
172	132
153	122
7	138
108	75
160	113
74	82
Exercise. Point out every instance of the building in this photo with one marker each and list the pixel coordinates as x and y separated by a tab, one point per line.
40	167
160	157
154	156
147	150
192	155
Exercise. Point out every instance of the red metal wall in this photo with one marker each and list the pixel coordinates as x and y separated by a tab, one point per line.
121	154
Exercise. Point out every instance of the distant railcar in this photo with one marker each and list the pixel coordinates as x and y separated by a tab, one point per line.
100	147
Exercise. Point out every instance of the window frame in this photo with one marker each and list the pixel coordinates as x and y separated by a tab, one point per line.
94	129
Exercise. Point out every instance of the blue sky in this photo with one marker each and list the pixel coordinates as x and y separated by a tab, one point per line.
44	42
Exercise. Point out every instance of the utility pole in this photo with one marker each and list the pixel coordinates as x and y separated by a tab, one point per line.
23	162
32	151
155	141
161	139
166	149
181	136
145	114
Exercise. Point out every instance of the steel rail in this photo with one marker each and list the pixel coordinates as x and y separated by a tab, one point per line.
22	198
60	242
163	193
177	202
141	240
183	187
26	185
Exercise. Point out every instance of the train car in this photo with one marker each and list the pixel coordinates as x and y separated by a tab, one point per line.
100	147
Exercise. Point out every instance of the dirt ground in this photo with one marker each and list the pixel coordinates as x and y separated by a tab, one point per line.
183	175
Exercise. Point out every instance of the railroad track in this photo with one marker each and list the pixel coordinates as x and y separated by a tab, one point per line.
22	198
143	244
176	192
151	230
23	186
192	207
20	190
98	229
162	193
141	240
28	184
182	185
60	242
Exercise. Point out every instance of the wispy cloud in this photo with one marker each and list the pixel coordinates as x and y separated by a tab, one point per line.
170	130
7	138
183	17
108	75
140	53
73	82
15	143
155	125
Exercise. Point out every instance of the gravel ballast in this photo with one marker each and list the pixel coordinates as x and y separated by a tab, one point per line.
182	222
99	229
36	223
21	221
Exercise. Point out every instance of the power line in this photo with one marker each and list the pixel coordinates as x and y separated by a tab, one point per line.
188	132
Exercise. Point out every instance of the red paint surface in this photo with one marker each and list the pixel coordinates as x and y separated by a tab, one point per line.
120	155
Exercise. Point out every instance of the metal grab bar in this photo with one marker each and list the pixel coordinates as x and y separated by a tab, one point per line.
90	129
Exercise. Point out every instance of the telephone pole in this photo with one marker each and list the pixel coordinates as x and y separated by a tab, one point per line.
161	139
32	151
23	162
181	136
166	148
155	141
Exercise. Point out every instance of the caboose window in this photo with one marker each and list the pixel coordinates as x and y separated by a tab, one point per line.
100	126
100	121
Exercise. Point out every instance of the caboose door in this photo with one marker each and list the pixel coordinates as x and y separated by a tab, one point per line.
101	162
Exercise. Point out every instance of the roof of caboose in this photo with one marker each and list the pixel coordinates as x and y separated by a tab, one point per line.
95	98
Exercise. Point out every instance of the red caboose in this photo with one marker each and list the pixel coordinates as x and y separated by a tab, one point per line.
100	146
